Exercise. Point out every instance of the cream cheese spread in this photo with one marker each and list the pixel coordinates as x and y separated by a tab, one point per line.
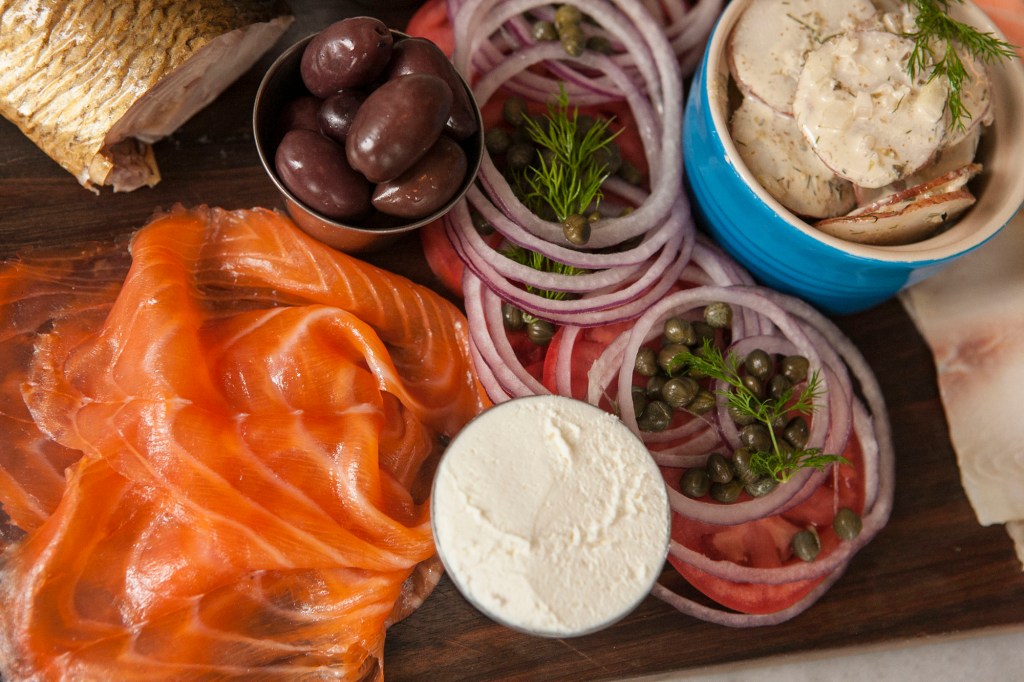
550	516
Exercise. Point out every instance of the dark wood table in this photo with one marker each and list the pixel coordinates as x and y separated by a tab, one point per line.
932	571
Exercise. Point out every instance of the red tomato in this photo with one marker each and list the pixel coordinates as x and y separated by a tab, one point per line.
441	256
589	345
431	22
765	543
530	354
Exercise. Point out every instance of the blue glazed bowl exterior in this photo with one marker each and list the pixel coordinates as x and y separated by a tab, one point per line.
777	248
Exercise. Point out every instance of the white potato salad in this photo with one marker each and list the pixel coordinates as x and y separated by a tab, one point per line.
862	118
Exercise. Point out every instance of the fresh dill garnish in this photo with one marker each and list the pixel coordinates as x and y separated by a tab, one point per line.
541	262
939	32
569	170
780	462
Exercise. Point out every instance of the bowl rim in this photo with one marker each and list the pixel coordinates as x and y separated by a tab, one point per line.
258	129
931	250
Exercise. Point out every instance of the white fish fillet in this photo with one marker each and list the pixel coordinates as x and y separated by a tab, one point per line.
972	316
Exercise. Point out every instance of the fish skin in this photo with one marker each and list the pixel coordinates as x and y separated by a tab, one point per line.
257	438
71	71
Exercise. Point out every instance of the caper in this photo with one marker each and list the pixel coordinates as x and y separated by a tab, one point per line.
847	524
654	386
740	416
520	155
667	356
754	385
480	223
718	315
761	486
584	123
678	330
630	173
704	331
727	492
540	331
778	386
594	216
655	417
573	40
544	31
609	157
639	400
695	483
600	44
497	140
796	432
758	363
756	437
795	367
719	469
741	465
680	391
703	403
646	363
512	317
576	229
806	544
514	110
566	15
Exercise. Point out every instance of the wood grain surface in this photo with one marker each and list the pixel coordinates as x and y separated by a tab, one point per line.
932	571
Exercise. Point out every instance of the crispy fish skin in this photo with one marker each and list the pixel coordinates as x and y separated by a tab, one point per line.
81	78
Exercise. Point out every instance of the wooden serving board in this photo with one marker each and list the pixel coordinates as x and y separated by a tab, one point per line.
932	571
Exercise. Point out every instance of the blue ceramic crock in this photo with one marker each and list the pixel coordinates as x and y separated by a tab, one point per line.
783	252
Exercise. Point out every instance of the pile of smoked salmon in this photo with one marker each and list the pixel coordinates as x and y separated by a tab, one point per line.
215	448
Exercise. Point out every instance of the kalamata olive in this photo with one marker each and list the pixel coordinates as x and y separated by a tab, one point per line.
316	171
719	468
694	483
397	124
806	544
300	112
348	53
337	113
794	368
419	55
847	524
426	185
758	363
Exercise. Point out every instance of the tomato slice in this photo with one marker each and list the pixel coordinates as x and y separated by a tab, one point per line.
430	21
765	543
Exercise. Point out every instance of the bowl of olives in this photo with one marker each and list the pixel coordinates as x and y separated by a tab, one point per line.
367	133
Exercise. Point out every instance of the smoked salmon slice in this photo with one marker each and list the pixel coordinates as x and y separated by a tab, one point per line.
256	419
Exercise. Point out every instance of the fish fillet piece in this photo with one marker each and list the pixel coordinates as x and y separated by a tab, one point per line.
972	317
94	83
36	291
257	418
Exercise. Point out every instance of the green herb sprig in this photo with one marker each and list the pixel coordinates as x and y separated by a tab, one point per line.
937	31
569	172
541	262
781	462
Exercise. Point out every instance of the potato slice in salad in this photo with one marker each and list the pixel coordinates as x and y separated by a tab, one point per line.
866	118
784	163
768	45
900	223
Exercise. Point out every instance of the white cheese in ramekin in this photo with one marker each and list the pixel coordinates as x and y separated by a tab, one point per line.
550	516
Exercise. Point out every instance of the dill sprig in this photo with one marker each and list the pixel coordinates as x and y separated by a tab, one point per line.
937	31
569	171
538	261
780	462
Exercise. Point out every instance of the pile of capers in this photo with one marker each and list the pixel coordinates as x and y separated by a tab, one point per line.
567	28
667	390
537	330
